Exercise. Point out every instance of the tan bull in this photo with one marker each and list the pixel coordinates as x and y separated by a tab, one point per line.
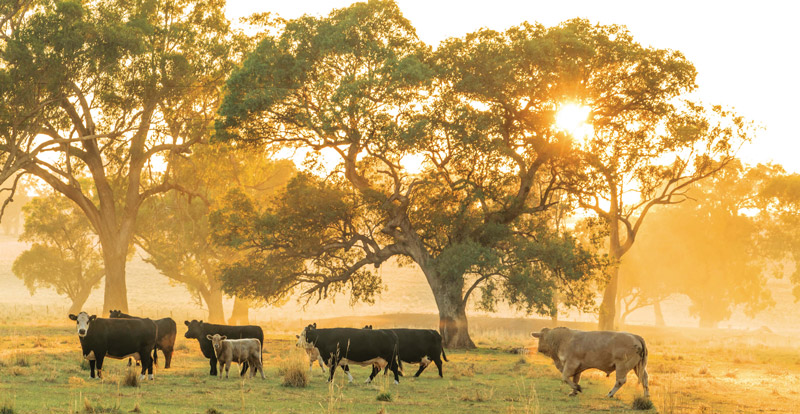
576	351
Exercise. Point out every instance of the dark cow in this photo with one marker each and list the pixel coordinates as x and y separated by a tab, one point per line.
167	331
419	346
116	338
200	331
343	346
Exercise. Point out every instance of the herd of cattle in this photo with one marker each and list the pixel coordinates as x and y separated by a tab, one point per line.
125	336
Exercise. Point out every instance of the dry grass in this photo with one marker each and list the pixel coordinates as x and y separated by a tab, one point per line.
131	378
294	372
642	403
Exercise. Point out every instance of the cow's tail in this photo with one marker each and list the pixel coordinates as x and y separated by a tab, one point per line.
443	355
441	343
642	364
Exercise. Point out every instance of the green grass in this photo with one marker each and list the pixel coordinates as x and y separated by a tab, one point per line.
686	376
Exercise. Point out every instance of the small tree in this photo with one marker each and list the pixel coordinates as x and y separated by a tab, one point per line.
65	254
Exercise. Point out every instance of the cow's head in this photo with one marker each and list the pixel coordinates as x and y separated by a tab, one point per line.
195	329
216	340
544	347
308	337
83	319
367	327
115	313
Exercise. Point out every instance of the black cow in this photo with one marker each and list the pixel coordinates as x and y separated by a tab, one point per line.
200	331
343	346
167	331
116	338
419	346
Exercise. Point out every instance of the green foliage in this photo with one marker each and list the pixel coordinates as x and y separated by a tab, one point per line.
64	254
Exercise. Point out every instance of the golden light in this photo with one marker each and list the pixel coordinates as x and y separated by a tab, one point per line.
572	118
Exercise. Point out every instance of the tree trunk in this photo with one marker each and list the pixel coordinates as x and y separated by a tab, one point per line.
658	313
79	300
608	306
240	313
116	291
554	311
213	298
452	314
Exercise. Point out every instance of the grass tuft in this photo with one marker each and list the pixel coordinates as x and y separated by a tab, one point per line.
131	378
136	408
213	411
384	396
642	403
294	373
6	409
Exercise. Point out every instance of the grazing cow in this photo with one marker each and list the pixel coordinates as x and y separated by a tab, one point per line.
116	338
419	346
576	351
239	351
342	346
200	331
167	331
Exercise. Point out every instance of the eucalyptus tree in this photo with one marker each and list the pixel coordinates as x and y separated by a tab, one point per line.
112	90
479	113
64	253
647	145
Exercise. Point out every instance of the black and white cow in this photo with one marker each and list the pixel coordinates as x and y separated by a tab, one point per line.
419	346
116	338
200	330
167	331
343	346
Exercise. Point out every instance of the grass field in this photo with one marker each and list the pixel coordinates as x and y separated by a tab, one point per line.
691	371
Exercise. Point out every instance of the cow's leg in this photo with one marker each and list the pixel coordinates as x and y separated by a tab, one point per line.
168	356
422	365
333	362
147	363
228	368
395	369
321	363
438	362
570	370
244	367
260	367
622	377
91	368
346	369
213	363
99	356
221	369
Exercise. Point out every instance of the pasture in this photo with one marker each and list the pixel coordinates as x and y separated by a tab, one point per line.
691	371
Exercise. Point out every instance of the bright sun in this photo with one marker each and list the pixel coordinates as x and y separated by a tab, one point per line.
572	118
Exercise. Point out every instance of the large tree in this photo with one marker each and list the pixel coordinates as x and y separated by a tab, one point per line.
647	146
479	112
64	252
111	90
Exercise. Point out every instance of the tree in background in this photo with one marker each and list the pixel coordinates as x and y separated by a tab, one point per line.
115	89
64	254
718	247
647	147
479	112
173	228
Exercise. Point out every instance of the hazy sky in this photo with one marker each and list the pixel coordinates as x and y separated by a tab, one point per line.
745	52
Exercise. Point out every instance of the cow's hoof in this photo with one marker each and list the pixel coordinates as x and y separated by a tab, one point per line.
396	382
579	389
141	377
367	381
150	377
573	393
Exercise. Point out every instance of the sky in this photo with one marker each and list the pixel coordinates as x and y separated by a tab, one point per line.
745	52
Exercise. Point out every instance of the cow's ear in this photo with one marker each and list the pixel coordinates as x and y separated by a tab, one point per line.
93	317
536	334
224	337
73	317
315	324
297	336
186	322
208	337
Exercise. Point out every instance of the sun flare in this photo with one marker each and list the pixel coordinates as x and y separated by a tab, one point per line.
572	118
